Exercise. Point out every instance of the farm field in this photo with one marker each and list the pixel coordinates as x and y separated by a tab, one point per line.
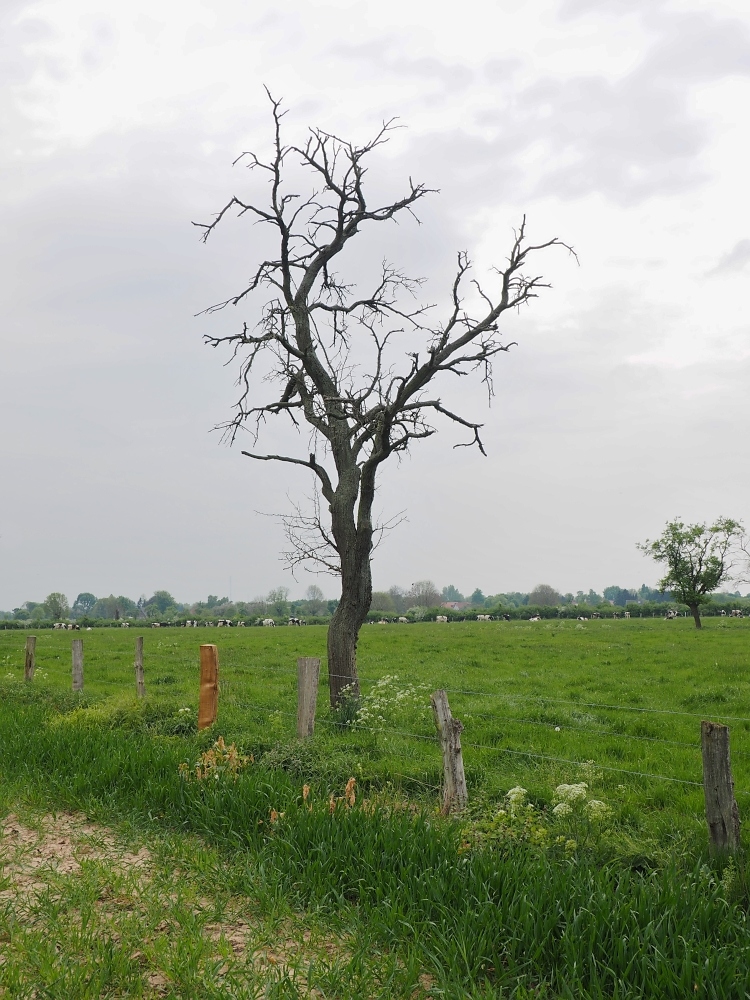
627	695
412	904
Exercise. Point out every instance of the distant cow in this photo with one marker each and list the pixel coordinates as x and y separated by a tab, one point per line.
596	615
484	618
627	614
240	624
59	625
506	618
124	624
155	625
736	613
441	618
268	621
404	621
536	618
581	618
670	615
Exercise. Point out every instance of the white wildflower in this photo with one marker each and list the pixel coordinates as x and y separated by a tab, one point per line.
516	798
562	809
571	793
597	809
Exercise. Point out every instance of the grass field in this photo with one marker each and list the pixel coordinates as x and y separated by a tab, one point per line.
422	907
512	684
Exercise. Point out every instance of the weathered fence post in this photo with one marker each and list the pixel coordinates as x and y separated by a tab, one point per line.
208	704
455	795
308	673
78	664
30	662
722	815
140	683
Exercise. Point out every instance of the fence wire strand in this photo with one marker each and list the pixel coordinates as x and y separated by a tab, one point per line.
518	753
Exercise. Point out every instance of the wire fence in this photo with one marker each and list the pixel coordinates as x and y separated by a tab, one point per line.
493	724
502	719
541	700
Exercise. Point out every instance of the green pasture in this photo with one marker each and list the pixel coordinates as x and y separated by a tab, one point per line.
626	696
416	906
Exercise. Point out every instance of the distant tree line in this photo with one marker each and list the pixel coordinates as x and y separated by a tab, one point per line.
421	601
162	606
424	593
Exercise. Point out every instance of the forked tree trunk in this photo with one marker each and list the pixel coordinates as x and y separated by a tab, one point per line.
696	612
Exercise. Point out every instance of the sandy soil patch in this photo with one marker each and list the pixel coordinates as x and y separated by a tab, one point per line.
58	842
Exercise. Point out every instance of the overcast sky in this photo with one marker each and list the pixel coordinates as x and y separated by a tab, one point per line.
618	125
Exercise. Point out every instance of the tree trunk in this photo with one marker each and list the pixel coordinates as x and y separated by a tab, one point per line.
343	633
696	612
354	546
351	613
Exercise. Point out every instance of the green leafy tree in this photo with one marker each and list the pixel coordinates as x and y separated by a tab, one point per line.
57	605
113	607
162	601
452	593
619	596
278	602
544	596
83	604
477	598
382	601
698	557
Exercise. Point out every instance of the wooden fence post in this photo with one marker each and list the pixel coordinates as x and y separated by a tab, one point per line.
140	683
455	795
308	673
78	664
208	704
30	662
722	815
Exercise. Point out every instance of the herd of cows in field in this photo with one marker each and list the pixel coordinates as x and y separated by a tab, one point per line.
269	622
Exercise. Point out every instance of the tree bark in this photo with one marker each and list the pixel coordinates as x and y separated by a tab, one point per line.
696	612
348	618
354	545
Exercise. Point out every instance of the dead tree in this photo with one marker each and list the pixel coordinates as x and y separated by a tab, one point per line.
359	369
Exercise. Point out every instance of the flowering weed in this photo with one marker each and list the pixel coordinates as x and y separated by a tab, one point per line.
390	703
217	762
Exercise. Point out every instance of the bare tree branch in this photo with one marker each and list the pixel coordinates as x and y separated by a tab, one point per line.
359	367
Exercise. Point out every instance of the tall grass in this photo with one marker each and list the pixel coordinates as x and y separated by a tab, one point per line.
542	691
485	921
